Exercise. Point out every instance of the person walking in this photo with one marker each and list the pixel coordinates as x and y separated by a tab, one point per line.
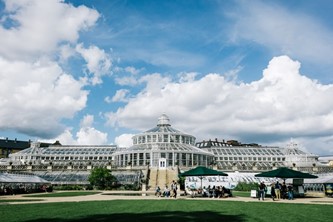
261	192
278	190
174	189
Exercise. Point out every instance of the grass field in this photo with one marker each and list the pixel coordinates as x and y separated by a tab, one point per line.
163	210
16	200
64	194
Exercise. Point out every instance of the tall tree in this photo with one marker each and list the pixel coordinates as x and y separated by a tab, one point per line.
101	178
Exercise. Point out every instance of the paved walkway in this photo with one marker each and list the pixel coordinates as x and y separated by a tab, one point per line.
132	195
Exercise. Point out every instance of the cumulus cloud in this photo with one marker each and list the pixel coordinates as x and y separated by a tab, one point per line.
86	135
120	96
36	94
126	81
132	70
41	26
281	105
91	136
65	52
65	138
128	75
107	99
35	97
87	121
187	76
124	140
98	62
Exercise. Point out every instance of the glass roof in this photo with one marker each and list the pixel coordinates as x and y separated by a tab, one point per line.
20	178
80	150
256	151
70	150
163	125
165	147
163	129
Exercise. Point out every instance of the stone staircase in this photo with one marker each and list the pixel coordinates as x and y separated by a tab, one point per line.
162	177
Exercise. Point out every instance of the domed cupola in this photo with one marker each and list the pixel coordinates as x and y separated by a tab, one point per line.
164	142
163	121
163	125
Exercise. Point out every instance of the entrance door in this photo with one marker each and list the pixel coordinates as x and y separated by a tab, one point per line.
162	163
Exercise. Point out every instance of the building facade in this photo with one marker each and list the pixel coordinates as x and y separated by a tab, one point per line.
162	147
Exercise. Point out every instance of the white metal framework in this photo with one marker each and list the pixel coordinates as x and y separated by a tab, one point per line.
163	143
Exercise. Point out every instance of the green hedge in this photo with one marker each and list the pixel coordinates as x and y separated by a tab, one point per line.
242	186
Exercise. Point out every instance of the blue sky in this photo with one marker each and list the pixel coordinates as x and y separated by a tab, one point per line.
97	72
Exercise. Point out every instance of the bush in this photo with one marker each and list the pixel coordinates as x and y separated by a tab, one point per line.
242	186
102	179
134	186
68	187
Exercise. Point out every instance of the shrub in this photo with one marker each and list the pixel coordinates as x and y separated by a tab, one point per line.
242	186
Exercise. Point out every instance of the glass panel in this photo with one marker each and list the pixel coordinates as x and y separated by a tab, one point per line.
177	138
166	138
160	138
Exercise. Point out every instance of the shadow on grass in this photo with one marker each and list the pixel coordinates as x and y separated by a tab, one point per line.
162	216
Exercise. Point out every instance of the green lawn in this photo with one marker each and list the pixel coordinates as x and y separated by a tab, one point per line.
241	193
163	210
18	200
64	194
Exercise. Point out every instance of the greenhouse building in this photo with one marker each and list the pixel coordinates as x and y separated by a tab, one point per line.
163	147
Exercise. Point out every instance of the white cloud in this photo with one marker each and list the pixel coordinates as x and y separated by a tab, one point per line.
281	105
120	96
85	136
91	136
124	140
187	76
132	70
87	121
126	81
88	135
36	94
35	97
107	99
154	82
65	138
65	52
98	62
282	30
41	27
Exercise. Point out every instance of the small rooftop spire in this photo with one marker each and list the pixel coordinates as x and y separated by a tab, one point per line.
163	120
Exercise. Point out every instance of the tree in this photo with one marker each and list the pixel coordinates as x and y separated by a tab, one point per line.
101	178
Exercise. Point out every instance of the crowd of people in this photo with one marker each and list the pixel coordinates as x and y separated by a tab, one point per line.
169	191
210	191
278	191
23	188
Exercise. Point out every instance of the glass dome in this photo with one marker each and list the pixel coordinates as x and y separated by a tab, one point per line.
163	142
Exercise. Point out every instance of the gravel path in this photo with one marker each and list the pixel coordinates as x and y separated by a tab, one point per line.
117	195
